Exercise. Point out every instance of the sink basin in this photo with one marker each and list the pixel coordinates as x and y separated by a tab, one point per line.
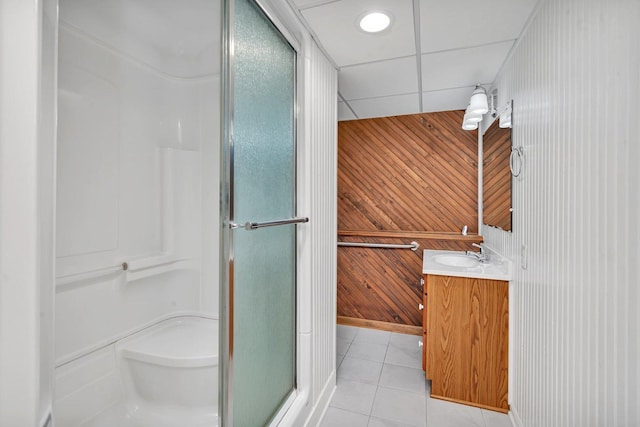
459	264
451	260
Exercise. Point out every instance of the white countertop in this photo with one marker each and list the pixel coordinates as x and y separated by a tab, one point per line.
497	268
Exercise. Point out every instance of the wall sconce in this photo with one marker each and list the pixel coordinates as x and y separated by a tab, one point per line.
478	102
471	120
505	117
478	107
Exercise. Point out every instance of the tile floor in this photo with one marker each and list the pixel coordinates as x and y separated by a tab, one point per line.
381	384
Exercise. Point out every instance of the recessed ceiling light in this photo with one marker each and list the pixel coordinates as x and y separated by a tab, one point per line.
374	22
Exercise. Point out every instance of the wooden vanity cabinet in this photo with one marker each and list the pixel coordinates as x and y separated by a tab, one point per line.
466	340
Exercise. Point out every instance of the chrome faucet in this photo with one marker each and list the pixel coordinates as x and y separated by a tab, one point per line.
480	256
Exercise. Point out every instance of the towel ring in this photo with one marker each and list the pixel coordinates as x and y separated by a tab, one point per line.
516	161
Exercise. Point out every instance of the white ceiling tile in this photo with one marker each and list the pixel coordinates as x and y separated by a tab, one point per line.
304	4
387	106
464	23
376	79
464	67
447	99
344	113
335	24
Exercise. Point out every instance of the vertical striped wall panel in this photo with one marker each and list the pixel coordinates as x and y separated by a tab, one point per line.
323	122
575	81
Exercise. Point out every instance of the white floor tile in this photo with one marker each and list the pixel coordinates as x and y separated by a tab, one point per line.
400	406
346	332
403	378
364	371
400	391
342	346
441	413
368	351
379	422
335	417
405	340
339	359
495	419
372	336
410	358
354	396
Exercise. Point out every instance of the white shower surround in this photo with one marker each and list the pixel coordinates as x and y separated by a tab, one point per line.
134	143
154	192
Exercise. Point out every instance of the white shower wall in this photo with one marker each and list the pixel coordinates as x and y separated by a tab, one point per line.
574	79
130	189
138	162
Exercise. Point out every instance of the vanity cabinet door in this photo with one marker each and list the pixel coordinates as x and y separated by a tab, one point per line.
467	325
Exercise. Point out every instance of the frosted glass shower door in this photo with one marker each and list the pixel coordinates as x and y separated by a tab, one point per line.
261	214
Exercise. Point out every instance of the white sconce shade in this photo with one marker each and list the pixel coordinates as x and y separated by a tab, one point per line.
505	118
470	125
478	103
471	120
478	106
472	117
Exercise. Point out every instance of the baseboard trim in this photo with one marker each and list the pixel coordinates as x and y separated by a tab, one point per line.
466	402
516	421
381	326
321	406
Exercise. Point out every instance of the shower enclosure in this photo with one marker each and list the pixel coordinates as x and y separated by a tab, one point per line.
180	217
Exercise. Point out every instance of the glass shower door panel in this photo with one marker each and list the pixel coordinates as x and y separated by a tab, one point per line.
263	189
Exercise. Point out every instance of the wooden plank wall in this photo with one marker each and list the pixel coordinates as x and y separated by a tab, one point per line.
400	179
496	177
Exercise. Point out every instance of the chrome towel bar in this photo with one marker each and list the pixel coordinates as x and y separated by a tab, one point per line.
255	225
413	246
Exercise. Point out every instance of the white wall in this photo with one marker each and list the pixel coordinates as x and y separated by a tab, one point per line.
575	82
27	120
324	130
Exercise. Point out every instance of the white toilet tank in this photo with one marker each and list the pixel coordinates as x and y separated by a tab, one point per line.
170	371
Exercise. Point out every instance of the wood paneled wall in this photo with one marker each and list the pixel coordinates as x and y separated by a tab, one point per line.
413	173
401	179
496	177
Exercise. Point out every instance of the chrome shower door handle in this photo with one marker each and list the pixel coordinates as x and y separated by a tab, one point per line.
255	225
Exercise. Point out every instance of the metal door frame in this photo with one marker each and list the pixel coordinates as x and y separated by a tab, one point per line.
226	347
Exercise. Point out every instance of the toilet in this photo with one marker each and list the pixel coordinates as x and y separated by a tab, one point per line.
170	372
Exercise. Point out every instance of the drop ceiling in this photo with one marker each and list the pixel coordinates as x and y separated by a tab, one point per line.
430	59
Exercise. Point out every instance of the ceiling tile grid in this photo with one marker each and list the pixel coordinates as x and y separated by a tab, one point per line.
463	67
336	25
376	79
461	43
386	106
344	112
446	99
468	23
